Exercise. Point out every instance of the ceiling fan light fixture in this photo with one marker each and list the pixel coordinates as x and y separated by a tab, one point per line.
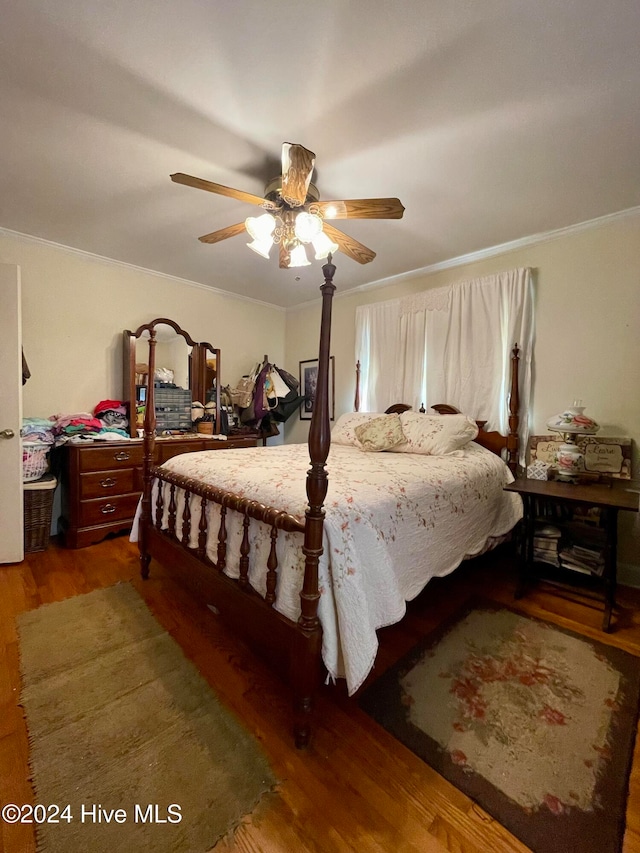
298	257
308	226
260	227
323	245
293	215
262	246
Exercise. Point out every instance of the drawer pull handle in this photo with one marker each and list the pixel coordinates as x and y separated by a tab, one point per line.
122	456
108	483
107	508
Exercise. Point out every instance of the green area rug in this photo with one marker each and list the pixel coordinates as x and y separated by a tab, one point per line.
125	732
533	722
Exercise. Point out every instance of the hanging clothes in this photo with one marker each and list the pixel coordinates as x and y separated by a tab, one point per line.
26	373
274	398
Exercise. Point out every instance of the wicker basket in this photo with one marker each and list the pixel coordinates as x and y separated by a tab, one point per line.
34	460
38	507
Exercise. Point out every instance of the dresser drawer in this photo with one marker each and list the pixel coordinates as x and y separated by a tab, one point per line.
238	441
110	458
101	484
107	509
165	448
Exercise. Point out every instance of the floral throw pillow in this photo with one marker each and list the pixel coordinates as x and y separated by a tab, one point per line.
435	435
381	433
344	430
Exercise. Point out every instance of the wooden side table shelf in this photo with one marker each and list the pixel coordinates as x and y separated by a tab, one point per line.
555	502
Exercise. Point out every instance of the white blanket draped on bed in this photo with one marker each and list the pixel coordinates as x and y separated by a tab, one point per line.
393	522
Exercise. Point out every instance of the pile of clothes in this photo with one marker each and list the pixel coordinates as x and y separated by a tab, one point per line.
112	414
108	421
72	425
37	429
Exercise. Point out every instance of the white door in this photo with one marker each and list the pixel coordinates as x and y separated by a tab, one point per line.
11	509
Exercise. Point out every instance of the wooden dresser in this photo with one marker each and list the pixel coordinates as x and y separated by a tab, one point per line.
102	482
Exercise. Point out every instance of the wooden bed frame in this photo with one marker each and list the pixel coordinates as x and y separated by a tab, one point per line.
503	445
292	646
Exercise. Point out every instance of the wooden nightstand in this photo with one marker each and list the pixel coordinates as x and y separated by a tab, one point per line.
562	511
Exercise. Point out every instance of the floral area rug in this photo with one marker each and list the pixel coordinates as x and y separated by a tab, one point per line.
535	723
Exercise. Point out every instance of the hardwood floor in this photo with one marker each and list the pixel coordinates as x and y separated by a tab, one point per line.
355	788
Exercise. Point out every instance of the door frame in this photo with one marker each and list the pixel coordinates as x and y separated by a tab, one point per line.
11	490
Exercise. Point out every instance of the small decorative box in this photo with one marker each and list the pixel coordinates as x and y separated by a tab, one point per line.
538	470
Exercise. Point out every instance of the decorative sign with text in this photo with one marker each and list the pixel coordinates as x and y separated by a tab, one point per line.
602	455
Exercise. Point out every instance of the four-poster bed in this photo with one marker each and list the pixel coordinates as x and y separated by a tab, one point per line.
279	576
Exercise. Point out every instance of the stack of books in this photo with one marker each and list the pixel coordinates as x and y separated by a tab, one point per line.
546	543
580	558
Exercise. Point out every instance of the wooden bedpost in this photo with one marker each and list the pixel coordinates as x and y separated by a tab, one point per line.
356	402
514	409
306	660
149	448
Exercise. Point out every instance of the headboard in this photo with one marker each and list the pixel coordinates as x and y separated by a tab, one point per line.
493	441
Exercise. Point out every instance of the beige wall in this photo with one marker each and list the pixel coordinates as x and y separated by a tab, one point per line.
587	341
74	309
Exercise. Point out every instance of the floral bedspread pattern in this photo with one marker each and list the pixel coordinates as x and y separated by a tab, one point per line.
393	522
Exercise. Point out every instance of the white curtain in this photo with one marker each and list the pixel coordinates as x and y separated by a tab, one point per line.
450	345
378	333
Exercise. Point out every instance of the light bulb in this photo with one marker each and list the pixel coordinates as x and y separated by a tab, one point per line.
260	227
298	257
323	245
262	246
308	226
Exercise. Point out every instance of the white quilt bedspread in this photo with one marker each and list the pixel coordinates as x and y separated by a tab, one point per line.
393	522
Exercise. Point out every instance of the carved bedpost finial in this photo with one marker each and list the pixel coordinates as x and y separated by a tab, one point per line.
329	269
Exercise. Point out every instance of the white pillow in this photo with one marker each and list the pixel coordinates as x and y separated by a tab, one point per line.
343	431
435	435
380	434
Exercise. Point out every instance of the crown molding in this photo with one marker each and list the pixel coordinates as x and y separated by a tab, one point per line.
461	260
90	256
501	249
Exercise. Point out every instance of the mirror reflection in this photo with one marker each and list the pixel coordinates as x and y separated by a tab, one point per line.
173	357
186	372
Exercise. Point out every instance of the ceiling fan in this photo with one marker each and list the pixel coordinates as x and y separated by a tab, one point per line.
295	216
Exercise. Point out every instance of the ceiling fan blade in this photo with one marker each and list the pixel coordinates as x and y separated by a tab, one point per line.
361	208
224	233
201	184
350	246
297	168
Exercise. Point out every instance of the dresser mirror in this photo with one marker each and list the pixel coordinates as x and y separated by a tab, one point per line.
180	363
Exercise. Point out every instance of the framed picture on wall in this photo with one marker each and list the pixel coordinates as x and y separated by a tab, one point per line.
308	382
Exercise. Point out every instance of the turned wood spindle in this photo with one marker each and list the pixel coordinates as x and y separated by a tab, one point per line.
222	539
202	529
244	552
186	519
172	510
159	506
272	568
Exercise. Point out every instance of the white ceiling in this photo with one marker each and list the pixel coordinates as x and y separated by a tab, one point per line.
490	120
